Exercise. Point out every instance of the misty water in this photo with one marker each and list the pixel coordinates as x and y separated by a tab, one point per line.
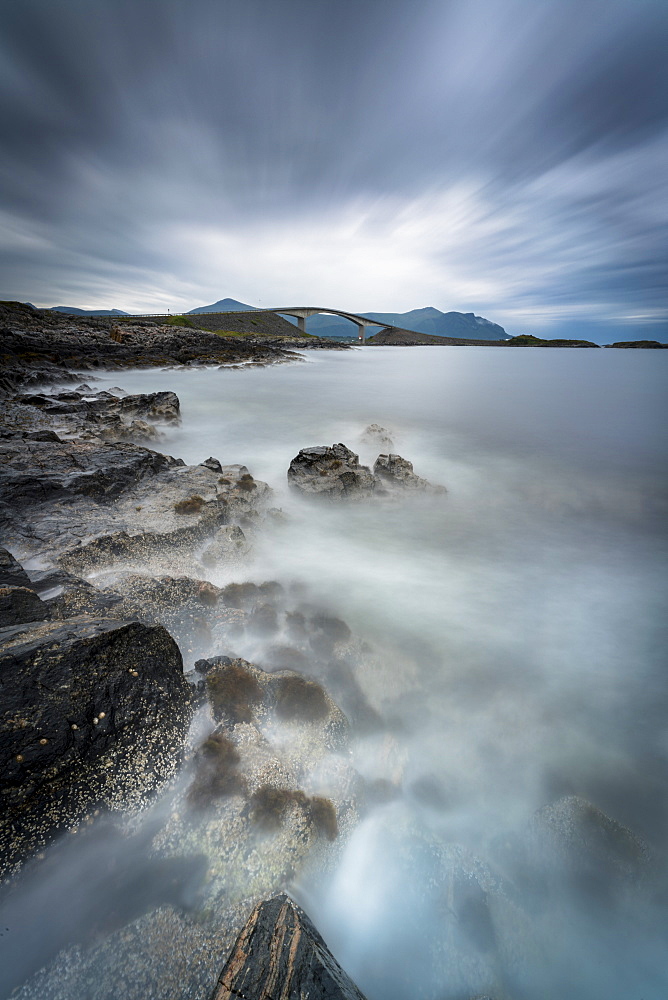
518	626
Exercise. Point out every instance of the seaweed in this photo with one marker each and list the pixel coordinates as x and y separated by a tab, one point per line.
233	693
298	698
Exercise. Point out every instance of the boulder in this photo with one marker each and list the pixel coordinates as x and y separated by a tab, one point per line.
163	406
19	605
279	953
395	472
94	712
330	472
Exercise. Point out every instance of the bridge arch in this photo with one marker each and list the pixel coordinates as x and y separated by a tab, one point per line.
300	313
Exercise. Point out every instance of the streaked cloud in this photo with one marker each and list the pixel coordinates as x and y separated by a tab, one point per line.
500	156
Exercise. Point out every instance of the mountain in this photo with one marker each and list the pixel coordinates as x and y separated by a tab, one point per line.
223	305
429	320
74	311
450	324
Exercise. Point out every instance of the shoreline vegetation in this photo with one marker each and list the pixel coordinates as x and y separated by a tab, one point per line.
113	639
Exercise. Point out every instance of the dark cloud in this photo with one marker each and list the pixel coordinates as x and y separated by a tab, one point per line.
139	135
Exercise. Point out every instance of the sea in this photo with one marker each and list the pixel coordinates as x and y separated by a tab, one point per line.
519	621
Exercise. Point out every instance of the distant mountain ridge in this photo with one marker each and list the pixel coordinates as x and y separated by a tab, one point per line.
74	311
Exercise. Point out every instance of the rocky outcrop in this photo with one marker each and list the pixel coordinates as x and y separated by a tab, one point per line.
335	473
279	953
395	472
38	344
94	712
60	497
331	472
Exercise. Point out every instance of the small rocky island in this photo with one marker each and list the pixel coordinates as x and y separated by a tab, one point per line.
140	751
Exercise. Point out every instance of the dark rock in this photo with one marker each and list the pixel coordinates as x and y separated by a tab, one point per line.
213	463
19	605
280	953
394	472
332	472
94	712
43	436
82	598
37	471
12	573
163	406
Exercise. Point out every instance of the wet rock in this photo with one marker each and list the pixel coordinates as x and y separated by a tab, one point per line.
279	951
239	691
214	464
12	573
162	406
94	712
263	620
377	437
188	608
575	843
330	472
19	605
38	471
42	436
395	472
229	545
81	598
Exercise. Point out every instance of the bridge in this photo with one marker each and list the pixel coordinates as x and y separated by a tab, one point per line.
361	322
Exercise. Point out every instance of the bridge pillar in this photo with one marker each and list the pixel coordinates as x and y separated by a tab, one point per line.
361	328
301	323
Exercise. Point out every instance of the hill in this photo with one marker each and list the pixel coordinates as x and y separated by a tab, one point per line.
74	311
223	305
408	338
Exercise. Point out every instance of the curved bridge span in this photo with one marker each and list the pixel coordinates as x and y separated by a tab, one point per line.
361	322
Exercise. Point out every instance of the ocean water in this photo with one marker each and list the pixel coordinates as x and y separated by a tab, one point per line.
519	626
522	624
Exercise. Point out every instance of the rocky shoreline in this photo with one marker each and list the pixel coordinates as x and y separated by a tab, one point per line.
222	781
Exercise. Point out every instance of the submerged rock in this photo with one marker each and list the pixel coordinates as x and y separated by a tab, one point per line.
377	436
332	472
94	712
579	845
279	953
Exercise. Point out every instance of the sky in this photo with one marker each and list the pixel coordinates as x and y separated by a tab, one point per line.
502	157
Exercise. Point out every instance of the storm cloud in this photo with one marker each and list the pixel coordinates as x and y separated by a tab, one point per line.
500	156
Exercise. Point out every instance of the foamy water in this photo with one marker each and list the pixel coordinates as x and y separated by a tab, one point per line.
518	629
